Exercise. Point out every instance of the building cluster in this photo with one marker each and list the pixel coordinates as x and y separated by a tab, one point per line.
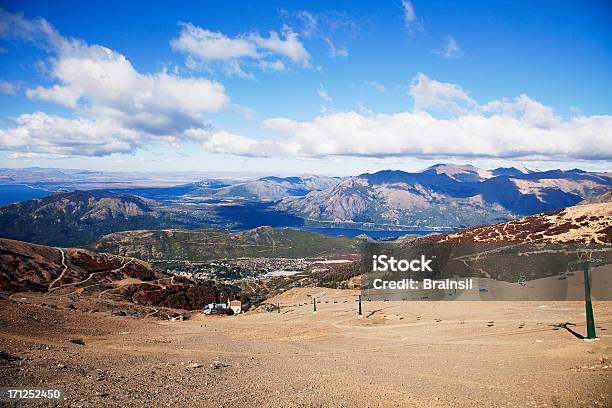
230	308
244	268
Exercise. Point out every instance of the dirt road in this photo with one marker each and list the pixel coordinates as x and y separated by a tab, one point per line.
64	269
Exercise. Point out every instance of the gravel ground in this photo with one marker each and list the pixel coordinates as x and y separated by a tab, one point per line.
415	354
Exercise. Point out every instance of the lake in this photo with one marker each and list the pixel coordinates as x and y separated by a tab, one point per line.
353	232
252	215
12	193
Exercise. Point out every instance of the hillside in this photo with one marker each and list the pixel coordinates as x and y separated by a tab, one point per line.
199	245
551	244
269	188
589	223
76	218
76	272
604	198
448	196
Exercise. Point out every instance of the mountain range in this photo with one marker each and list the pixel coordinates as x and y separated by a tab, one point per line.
270	188
273	188
447	196
443	196
116	271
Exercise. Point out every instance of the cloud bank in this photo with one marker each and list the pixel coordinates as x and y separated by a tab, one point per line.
205	47
521	128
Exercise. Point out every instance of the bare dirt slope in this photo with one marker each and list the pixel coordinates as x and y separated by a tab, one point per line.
418	354
578	224
105	277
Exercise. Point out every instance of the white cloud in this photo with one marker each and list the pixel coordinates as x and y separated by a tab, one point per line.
39	133
60	94
444	97
272	65
334	51
431	94
103	83
288	45
7	88
210	47
364	110
450	50
412	23
116	106
225	142
309	22
233	68
521	128
38	31
422	135
331	27
324	95
574	110
533	113
409	14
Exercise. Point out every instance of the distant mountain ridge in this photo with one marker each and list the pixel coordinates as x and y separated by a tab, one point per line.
76	217
443	196
270	188
448	196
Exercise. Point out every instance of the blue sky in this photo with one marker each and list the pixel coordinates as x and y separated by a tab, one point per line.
337	88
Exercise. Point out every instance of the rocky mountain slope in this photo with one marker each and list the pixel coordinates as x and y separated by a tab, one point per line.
80	273
77	217
603	198
448	196
269	188
589	223
200	245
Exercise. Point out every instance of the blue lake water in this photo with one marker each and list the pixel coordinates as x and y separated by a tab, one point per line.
251	215
353	232
12	193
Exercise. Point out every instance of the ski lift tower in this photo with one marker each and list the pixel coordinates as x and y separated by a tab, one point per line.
585	257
